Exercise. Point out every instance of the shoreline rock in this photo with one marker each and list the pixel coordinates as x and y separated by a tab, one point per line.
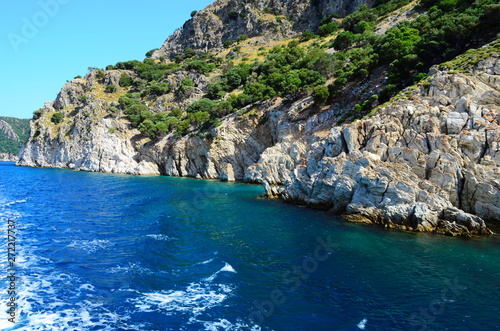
427	161
8	157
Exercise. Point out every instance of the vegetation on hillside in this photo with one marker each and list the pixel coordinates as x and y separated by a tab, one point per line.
21	127
322	63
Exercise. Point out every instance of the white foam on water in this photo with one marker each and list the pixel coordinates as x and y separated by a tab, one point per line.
226	268
4	322
134	268
160	237
224	324
195	298
205	262
87	287
362	325
90	246
50	301
6	204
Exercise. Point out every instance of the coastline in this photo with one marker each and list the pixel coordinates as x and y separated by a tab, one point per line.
8	157
490	229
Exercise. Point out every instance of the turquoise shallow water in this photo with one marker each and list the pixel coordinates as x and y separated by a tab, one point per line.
114	252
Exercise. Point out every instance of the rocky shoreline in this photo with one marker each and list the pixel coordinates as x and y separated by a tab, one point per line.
429	160
8	157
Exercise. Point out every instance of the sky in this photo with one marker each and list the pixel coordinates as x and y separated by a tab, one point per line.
44	43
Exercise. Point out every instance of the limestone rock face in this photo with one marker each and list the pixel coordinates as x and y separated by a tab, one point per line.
227	20
86	140
425	162
8	131
227	173
237	144
8	157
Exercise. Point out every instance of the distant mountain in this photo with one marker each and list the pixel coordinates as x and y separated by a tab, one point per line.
14	132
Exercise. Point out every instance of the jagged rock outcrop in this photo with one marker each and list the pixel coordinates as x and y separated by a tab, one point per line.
13	134
87	139
268	19
422	162
7	130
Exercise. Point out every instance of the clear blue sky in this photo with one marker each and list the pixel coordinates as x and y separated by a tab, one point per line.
43	43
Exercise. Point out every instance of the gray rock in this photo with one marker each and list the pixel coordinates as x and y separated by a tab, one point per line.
227	173
7	130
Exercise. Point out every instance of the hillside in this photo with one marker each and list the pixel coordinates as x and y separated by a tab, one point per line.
14	133
335	104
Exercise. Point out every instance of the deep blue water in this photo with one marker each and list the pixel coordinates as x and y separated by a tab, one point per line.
115	252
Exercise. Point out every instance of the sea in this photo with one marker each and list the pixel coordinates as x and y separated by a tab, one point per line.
95	251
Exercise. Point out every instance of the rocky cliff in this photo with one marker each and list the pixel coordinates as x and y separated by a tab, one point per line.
267	20
13	134
427	160
87	139
422	162
8	132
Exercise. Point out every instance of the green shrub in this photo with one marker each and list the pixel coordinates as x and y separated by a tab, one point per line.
127	100
320	94
176	112
183	126
388	92
198	118
125	80
362	14
203	105
214	90
307	35
189	53
186	86
37	113
200	66
223	108
111	88
138	113
228	43
150	53
329	28
232	78
399	42
156	89
233	15
56	118
344	40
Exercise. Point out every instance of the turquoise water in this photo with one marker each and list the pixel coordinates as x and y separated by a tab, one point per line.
114	252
